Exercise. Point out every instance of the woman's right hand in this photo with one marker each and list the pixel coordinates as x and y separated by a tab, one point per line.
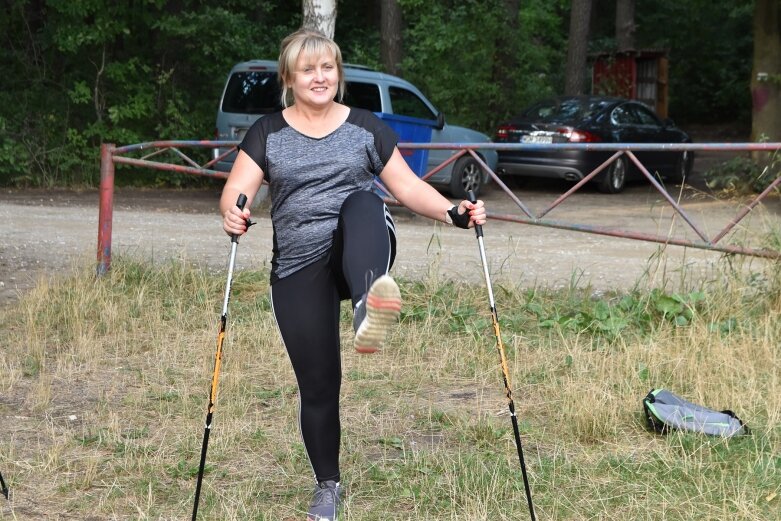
234	221
245	178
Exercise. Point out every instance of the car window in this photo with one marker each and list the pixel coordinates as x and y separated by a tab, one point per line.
407	103
624	115
252	92
555	110
645	116
363	96
565	110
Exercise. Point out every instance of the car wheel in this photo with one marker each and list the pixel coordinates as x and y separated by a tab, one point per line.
467	175
614	179
683	167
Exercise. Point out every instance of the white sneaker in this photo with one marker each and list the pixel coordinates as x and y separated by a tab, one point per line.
383	306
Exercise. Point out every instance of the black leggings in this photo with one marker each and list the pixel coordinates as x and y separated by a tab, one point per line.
306	308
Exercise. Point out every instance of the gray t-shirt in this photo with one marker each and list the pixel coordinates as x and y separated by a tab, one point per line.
309	179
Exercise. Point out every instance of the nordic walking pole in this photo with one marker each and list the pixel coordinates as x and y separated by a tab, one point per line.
503	358
4	488
218	359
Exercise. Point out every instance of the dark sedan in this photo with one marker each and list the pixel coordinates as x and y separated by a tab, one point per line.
591	119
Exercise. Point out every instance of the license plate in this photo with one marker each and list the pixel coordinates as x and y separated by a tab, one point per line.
532	138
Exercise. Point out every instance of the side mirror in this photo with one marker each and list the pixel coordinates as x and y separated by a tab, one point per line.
668	123
440	121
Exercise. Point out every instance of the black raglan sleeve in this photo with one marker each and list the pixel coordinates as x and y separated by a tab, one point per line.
385	138
254	142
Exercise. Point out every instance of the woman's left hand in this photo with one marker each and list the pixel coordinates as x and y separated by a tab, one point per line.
476	211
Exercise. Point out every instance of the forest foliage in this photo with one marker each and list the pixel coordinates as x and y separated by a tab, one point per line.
80	72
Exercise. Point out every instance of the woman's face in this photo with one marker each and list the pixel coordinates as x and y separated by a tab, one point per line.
315	80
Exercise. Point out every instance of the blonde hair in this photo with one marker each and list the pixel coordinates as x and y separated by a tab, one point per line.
305	42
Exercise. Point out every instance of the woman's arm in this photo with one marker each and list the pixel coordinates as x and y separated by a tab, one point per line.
245	178
421	197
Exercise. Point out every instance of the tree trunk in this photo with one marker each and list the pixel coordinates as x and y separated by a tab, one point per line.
625	25
390	36
577	49
766	76
320	15
505	62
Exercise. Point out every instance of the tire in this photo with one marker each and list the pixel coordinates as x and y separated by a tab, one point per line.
467	175
614	179
683	167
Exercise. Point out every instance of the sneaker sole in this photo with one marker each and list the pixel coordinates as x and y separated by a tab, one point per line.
383	307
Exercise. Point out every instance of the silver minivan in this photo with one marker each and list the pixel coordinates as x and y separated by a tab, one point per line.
252	90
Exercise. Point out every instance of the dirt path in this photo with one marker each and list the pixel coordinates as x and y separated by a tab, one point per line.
43	232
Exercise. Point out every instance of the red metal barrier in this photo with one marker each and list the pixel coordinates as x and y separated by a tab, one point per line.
111	155
105	216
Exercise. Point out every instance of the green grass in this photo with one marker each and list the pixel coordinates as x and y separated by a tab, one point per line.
104	381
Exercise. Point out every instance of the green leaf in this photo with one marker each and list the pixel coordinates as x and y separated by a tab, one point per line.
668	305
643	373
395	442
80	93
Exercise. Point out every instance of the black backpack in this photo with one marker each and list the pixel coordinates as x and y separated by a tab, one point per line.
665	411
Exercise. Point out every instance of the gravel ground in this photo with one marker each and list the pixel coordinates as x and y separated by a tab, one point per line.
46	232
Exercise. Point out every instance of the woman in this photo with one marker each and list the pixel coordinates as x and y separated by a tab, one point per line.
333	237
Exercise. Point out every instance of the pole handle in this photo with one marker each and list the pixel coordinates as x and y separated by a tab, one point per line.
240	202
478	227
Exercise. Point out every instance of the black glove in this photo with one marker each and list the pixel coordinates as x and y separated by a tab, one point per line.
459	219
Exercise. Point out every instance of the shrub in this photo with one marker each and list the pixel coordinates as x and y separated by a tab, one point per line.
742	175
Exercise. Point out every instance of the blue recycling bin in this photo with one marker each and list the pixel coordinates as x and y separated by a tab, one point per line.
411	130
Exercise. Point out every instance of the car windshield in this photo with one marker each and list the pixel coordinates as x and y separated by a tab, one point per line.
252	92
258	92
565	110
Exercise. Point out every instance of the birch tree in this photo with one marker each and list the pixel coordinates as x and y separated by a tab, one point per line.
320	15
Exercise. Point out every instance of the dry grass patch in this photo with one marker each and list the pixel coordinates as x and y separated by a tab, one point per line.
103	388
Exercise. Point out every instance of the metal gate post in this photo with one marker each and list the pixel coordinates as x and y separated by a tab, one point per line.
106	207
